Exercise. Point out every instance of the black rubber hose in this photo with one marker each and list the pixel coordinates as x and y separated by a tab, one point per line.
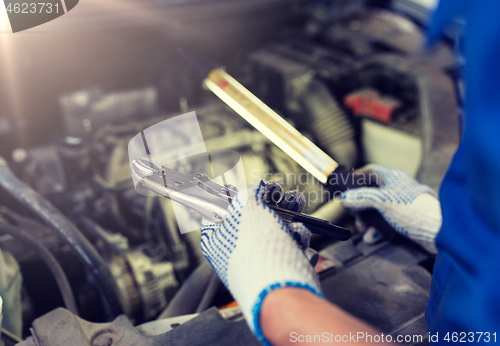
188	297
50	261
89	256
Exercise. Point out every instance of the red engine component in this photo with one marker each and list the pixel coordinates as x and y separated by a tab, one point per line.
368	102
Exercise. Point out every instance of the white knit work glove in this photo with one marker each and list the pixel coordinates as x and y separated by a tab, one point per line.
411	208
254	252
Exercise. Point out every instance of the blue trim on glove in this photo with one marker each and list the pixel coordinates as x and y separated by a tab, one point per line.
258	305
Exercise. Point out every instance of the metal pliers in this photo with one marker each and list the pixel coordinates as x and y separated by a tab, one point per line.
210	199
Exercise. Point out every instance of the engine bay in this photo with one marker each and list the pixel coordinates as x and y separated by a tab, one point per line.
350	76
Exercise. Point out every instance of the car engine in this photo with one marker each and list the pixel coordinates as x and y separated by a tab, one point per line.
86	260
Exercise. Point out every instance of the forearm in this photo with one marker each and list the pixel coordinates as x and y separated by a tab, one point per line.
295	310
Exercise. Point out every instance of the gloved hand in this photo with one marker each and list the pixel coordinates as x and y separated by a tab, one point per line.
411	208
254	252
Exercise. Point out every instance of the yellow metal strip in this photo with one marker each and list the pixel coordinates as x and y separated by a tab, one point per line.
269	123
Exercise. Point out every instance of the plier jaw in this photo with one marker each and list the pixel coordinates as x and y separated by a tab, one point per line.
195	191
